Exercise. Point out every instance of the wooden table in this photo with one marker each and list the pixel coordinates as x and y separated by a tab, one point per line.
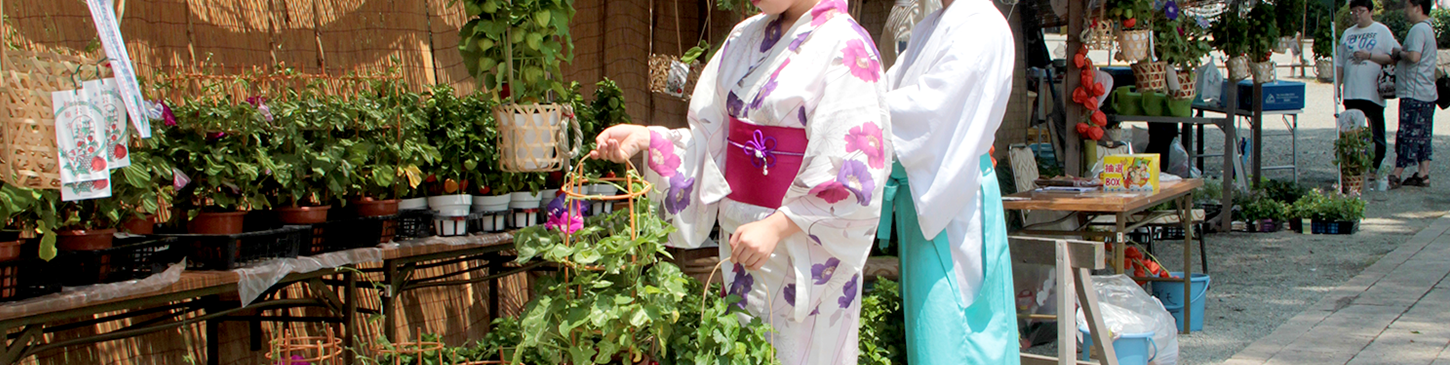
201	293
1130	212
1074	261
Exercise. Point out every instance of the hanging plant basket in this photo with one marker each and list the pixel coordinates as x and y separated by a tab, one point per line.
1264	72
1285	45
1324	69
1099	36
533	137
669	76
1133	44
1187	84
1151	76
1238	68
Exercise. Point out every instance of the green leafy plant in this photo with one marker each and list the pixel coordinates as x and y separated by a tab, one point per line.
389	146
1290	17
1130	14
463	131
1440	21
1284	191
883	327
1323	28
533	34
1391	13
1263	208
605	111
1228	32
1263	32
1352	152
1323	206
217	144
32	211
1181	42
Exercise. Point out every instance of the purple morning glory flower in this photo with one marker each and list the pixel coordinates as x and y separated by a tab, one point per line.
167	115
857	179
256	100
848	292
742	285
795	45
821	273
1171	10
789	293
558	207
679	193
773	32
733	105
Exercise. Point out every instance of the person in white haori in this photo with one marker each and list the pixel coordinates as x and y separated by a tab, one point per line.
949	93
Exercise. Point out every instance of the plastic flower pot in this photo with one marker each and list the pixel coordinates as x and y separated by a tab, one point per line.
216	223
303	215
375	208
84	239
413	204
10	250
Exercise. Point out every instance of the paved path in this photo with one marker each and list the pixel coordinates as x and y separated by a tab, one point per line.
1396	311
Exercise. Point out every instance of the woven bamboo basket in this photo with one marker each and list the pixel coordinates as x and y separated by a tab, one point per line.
1238	68
1354	185
28	152
1133	44
1151	76
1264	71
316	350
1186	85
1100	36
534	137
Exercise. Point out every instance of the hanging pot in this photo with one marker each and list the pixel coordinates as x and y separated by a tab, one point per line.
1187	84
1133	44
1324	69
532	137
84	239
216	223
1238	68
1151	76
1264	72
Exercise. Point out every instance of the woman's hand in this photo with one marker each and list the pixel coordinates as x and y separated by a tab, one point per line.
620	143
752	243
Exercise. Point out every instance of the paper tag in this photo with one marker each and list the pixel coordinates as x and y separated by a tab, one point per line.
675	83
86	190
105	96
78	137
115	46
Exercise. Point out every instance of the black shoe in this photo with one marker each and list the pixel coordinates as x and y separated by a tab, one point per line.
1394	182
1417	180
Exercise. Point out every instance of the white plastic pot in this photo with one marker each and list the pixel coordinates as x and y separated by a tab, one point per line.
524	200
491	203
450	226
445	201
413	204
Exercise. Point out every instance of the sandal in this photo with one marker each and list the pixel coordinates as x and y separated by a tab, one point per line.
1394	182
1417	180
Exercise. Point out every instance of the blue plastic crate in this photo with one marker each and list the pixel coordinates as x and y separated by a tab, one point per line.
1278	95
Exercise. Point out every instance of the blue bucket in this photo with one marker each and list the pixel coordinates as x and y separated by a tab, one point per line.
1131	348
1171	294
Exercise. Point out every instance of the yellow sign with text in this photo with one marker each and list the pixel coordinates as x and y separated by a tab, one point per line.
1136	173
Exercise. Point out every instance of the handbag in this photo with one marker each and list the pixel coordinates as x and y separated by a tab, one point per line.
1442	89
1386	82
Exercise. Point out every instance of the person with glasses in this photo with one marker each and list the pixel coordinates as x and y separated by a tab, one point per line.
1363	52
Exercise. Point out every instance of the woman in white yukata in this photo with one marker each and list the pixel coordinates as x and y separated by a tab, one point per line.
789	147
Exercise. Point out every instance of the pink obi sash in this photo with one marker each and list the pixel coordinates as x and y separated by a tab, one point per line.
762	161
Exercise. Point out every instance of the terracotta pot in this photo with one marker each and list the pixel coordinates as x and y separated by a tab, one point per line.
216	223
139	226
10	250
367	207
303	215
84	240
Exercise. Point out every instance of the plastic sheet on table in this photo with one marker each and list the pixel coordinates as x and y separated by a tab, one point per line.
254	280
79	296
485	239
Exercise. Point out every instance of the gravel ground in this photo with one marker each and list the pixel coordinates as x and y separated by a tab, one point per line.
1261	281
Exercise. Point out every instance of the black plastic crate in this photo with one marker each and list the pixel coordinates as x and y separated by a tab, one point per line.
500	221
128	258
24	279
317	240
414	224
1333	227
230	251
361	232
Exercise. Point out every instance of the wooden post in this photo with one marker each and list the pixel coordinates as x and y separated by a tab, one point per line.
1072	153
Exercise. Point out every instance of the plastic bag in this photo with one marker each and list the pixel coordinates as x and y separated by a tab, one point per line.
1210	83
1352	119
1126	308
1179	163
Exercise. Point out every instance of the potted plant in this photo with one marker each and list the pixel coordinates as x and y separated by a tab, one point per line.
526	198
27	211
144	187
1328	213
1323	42
1352	152
1265	215
1133	35
514	50
1263	38
215	144
454	125
1228	33
1182	44
388	149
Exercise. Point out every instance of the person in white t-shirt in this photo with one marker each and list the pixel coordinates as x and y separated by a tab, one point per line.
1415	86
1363	52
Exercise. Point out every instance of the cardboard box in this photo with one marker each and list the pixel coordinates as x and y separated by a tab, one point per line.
1136	173
1278	95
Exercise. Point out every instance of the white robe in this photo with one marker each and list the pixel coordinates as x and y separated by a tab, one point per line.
945	120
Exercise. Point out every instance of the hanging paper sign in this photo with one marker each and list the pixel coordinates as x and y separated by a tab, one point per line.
86	190
115	46
115	146
78	137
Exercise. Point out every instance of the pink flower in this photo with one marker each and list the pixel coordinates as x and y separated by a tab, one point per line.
569	223
867	139
825	10
831	191
166	114
662	156
862	65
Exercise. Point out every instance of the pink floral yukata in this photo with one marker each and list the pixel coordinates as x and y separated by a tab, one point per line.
822	80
